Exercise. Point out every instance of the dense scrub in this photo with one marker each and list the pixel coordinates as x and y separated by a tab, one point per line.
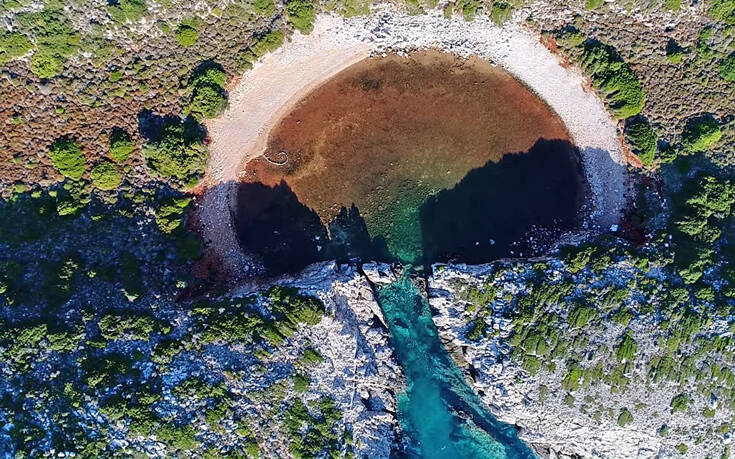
96	346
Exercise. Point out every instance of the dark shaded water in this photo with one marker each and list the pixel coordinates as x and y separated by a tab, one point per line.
487	215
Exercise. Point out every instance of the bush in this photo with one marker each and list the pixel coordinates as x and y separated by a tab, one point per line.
723	10
594	4
680	403
625	418
267	43
68	159
627	349
301	15
501	13
121	145
186	35
701	134
105	176
177	153
643	140
674	52
614	79
13	45
126	10
208	97
727	68
54	37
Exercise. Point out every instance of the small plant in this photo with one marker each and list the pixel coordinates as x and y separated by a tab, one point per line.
624	418
674	52
68	158
106	176
13	45
501	13
126	10
727	68
177	152
121	145
186	35
643	140
701	134
301	14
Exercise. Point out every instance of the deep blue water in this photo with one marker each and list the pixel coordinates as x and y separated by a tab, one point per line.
441	415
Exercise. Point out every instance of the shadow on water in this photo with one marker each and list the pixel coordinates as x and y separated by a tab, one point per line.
485	216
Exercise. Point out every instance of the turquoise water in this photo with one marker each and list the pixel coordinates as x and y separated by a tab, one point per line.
439	412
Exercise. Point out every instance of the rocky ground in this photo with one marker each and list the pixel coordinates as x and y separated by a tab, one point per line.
545	345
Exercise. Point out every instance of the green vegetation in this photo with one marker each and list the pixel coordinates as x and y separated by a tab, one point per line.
170	213
701	134
267	43
186	35
643	140
177	152
106	176
301	14
313	434
13	45
501	13
625	418
727	67
121	145
674	52
55	40
126	10
68	158
680	403
594	4
208	97
614	79
723	10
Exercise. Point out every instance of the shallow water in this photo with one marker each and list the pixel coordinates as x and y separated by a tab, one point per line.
436	389
406	139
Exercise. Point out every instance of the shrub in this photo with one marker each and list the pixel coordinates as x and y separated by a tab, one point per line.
121	145
126	10
13	45
701	134
301	15
723	10
627	349
67	158
614	79
301	383
177	153
186	35
267	42
672	5
624	418
674	52
680	403
643	140
727	68
594	4
105	176
501	13
54	37
208	97
170	214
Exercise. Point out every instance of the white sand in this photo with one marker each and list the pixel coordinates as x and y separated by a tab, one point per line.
268	91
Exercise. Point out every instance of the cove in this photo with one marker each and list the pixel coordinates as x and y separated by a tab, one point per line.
413	160
401	140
